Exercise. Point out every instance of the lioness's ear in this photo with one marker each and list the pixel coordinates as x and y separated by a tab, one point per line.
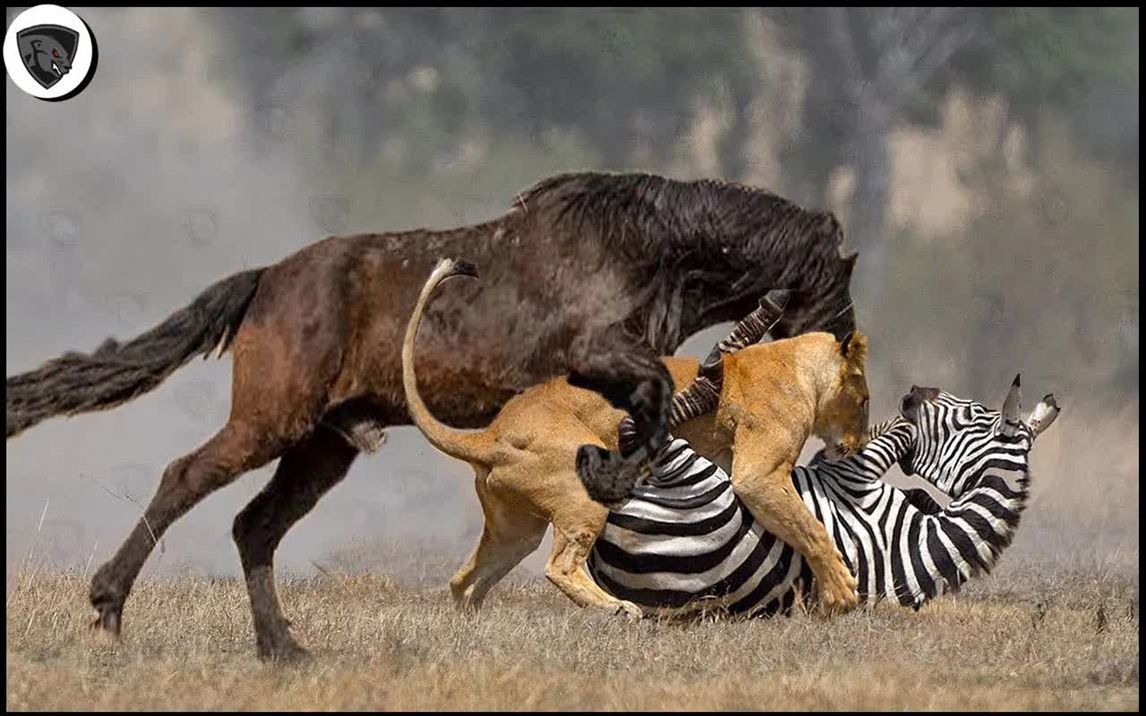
854	348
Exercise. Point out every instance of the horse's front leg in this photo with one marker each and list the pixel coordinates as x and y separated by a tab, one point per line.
631	377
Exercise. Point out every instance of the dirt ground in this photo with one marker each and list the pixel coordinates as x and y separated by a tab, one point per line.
1024	638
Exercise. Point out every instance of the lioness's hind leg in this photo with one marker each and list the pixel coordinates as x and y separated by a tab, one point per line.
573	538
545	485
507	537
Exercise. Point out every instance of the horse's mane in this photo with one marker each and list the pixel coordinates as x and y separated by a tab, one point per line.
740	240
656	215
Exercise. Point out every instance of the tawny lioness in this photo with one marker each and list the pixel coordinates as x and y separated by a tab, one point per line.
774	396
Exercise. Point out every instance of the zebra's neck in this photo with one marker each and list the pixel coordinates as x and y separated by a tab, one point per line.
895	548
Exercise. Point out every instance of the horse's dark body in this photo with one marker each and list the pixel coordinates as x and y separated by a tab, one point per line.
585	273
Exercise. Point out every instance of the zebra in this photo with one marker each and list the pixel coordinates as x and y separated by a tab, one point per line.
684	542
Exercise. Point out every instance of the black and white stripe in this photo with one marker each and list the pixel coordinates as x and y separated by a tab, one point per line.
684	538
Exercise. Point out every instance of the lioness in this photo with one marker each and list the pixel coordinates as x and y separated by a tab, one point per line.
774	397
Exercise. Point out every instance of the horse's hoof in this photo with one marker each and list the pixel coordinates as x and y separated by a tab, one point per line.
283	650
108	622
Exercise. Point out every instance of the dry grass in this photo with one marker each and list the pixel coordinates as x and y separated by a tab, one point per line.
1023	639
1055	628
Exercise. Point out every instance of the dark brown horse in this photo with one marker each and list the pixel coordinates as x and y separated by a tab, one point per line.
598	274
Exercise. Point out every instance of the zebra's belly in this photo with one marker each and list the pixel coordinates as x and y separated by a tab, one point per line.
666	560
684	540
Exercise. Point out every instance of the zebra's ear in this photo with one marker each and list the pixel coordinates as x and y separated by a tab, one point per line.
1012	408
1043	415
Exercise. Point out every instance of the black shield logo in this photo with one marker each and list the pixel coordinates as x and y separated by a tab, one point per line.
48	52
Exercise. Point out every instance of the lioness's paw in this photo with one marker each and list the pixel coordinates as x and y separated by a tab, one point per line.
630	611
838	592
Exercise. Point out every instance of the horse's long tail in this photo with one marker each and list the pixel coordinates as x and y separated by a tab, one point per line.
118	372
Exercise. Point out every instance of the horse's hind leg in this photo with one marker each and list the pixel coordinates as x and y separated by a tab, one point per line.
304	474
229	453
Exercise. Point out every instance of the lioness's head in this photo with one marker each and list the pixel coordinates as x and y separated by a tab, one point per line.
842	420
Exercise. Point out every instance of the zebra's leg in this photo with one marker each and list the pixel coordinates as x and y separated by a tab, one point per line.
507	537
703	394
767	490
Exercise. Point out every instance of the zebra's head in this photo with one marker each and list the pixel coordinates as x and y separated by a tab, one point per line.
958	440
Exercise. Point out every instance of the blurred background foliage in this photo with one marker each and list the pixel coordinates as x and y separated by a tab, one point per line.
983	161
438	115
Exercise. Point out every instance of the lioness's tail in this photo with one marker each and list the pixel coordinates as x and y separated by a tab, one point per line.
118	372
472	447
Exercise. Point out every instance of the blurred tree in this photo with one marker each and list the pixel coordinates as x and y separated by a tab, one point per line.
621	78
873	69
1080	63
867	66
616	79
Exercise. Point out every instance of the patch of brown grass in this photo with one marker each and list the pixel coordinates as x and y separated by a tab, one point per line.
1026	640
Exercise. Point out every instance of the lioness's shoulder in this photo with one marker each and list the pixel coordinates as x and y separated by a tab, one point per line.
816	345
789	361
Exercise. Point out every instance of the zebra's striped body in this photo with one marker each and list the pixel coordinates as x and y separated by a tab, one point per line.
684	538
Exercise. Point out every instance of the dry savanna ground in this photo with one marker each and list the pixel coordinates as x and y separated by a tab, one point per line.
1024	638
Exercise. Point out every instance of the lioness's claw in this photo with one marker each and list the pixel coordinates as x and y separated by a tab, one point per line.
839	592
630	611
